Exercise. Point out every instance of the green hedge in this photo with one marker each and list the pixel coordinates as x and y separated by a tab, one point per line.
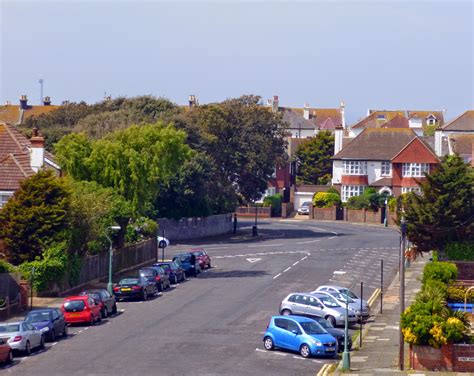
326	199
460	251
445	272
6	267
275	202
456	294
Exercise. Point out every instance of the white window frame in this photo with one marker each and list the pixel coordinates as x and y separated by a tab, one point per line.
415	170
354	167
386	168
4	197
348	191
416	190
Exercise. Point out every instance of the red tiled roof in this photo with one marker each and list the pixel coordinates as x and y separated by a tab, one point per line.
319	118
377	119
12	171
464	122
11	113
397	122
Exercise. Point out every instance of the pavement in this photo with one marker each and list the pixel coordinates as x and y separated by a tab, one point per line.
380	345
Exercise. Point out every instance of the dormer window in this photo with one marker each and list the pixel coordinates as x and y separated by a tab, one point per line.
381	117
431	120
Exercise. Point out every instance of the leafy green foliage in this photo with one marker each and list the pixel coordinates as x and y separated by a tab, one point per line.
445	272
443	213
313	158
463	251
457	294
275	202
35	217
140	229
326	199
6	267
370	200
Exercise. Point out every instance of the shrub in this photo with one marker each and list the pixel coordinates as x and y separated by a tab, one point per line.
358	202
460	251
326	200
275	202
333	190
445	272
6	267
434	285
456	294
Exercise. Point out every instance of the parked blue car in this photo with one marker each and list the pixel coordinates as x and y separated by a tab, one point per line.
299	334
184	260
50	321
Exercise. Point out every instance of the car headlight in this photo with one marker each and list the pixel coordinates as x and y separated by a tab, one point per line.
44	330
315	342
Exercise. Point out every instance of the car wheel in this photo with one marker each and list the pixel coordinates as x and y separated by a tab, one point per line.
305	351
28	348
114	309
286	312
155	291
209	265
41	346
9	357
65	331
145	295
105	313
52	335
332	320
268	343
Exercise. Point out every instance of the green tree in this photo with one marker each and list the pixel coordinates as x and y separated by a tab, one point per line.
132	161
313	158
444	212
244	139
35	217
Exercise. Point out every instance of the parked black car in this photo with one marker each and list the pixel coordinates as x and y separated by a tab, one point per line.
135	287
158	275
50	321
336	333
107	302
174	271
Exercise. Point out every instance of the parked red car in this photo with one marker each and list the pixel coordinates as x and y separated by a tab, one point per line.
202	257
81	309
6	353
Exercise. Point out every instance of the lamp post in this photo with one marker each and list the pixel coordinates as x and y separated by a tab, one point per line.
110	284
385	220
346	355
401	342
254	228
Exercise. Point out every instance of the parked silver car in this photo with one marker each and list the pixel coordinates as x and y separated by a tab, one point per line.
340	293
317	305
304	208
21	336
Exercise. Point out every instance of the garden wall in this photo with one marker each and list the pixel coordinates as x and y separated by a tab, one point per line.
249	211
328	214
199	227
450	358
465	270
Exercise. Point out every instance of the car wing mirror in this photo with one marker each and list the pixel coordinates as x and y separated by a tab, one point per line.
295	332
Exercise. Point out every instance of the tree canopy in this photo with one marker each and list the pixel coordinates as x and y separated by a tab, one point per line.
444	212
313	158
35	217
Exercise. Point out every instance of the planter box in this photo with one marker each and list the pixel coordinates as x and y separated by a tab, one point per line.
460	307
450	358
465	269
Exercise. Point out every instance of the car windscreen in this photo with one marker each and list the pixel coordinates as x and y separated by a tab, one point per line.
343	297
146	272
163	265
349	293
311	327
328	301
324	323
129	281
198	253
7	328
38	316
307	203
74	305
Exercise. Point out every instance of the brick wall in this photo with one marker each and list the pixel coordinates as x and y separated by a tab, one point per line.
373	217
465	270
325	213
451	358
355	215
249	211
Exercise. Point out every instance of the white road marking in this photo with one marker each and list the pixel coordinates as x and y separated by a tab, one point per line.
296	263
304	258
332	237
275	277
252	260
288	268
260	350
54	343
264	245
317	361
215	248
309	241
298	357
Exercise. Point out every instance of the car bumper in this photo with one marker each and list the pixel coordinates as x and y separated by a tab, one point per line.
351	320
85	317
323	350
18	346
128	294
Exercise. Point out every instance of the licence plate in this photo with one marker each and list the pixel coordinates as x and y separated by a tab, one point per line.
74	314
330	349
126	289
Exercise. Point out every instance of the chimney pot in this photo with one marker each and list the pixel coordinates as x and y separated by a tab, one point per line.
275	104
23	102
47	101
306	113
192	101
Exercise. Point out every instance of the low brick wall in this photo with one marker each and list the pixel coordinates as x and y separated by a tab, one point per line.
352	215
286	209
450	358
249	211
465	270
197	227
373	217
325	213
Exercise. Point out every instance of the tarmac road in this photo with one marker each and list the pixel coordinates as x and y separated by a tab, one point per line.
213	325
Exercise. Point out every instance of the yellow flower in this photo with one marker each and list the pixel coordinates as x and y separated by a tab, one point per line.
409	336
438	339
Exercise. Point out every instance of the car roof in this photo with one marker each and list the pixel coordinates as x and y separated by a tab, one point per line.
294	317
13	323
76	297
42	310
334	287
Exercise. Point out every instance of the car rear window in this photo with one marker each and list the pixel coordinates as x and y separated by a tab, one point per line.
74	305
9	328
37	316
129	281
163	265
198	253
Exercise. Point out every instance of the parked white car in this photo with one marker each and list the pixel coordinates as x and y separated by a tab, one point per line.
22	336
341	293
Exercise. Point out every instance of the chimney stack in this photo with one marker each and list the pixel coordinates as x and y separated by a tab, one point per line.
23	102
275	104
343	114
306	111
439	142
37	150
192	101
47	101
338	136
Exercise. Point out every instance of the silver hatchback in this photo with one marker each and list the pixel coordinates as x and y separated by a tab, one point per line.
318	305
21	336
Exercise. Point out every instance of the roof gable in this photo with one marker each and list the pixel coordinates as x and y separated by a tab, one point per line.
464	122
416	152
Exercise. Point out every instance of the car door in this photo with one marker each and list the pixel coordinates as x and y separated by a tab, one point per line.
298	304
292	335
57	325
314	307
32	334
61	320
281	326
107	299
95	308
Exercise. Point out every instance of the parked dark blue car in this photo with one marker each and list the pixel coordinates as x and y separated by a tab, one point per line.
50	321
184	259
299	334
175	272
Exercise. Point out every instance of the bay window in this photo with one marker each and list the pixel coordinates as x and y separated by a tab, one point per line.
416	170
354	168
351	190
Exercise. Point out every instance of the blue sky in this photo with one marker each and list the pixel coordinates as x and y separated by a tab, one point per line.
375	54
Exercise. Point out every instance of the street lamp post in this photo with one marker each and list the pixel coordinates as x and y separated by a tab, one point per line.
110	284
255	228
401	342
346	355
385	220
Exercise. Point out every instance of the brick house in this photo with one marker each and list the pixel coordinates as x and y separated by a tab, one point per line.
21	158
388	159
17	114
